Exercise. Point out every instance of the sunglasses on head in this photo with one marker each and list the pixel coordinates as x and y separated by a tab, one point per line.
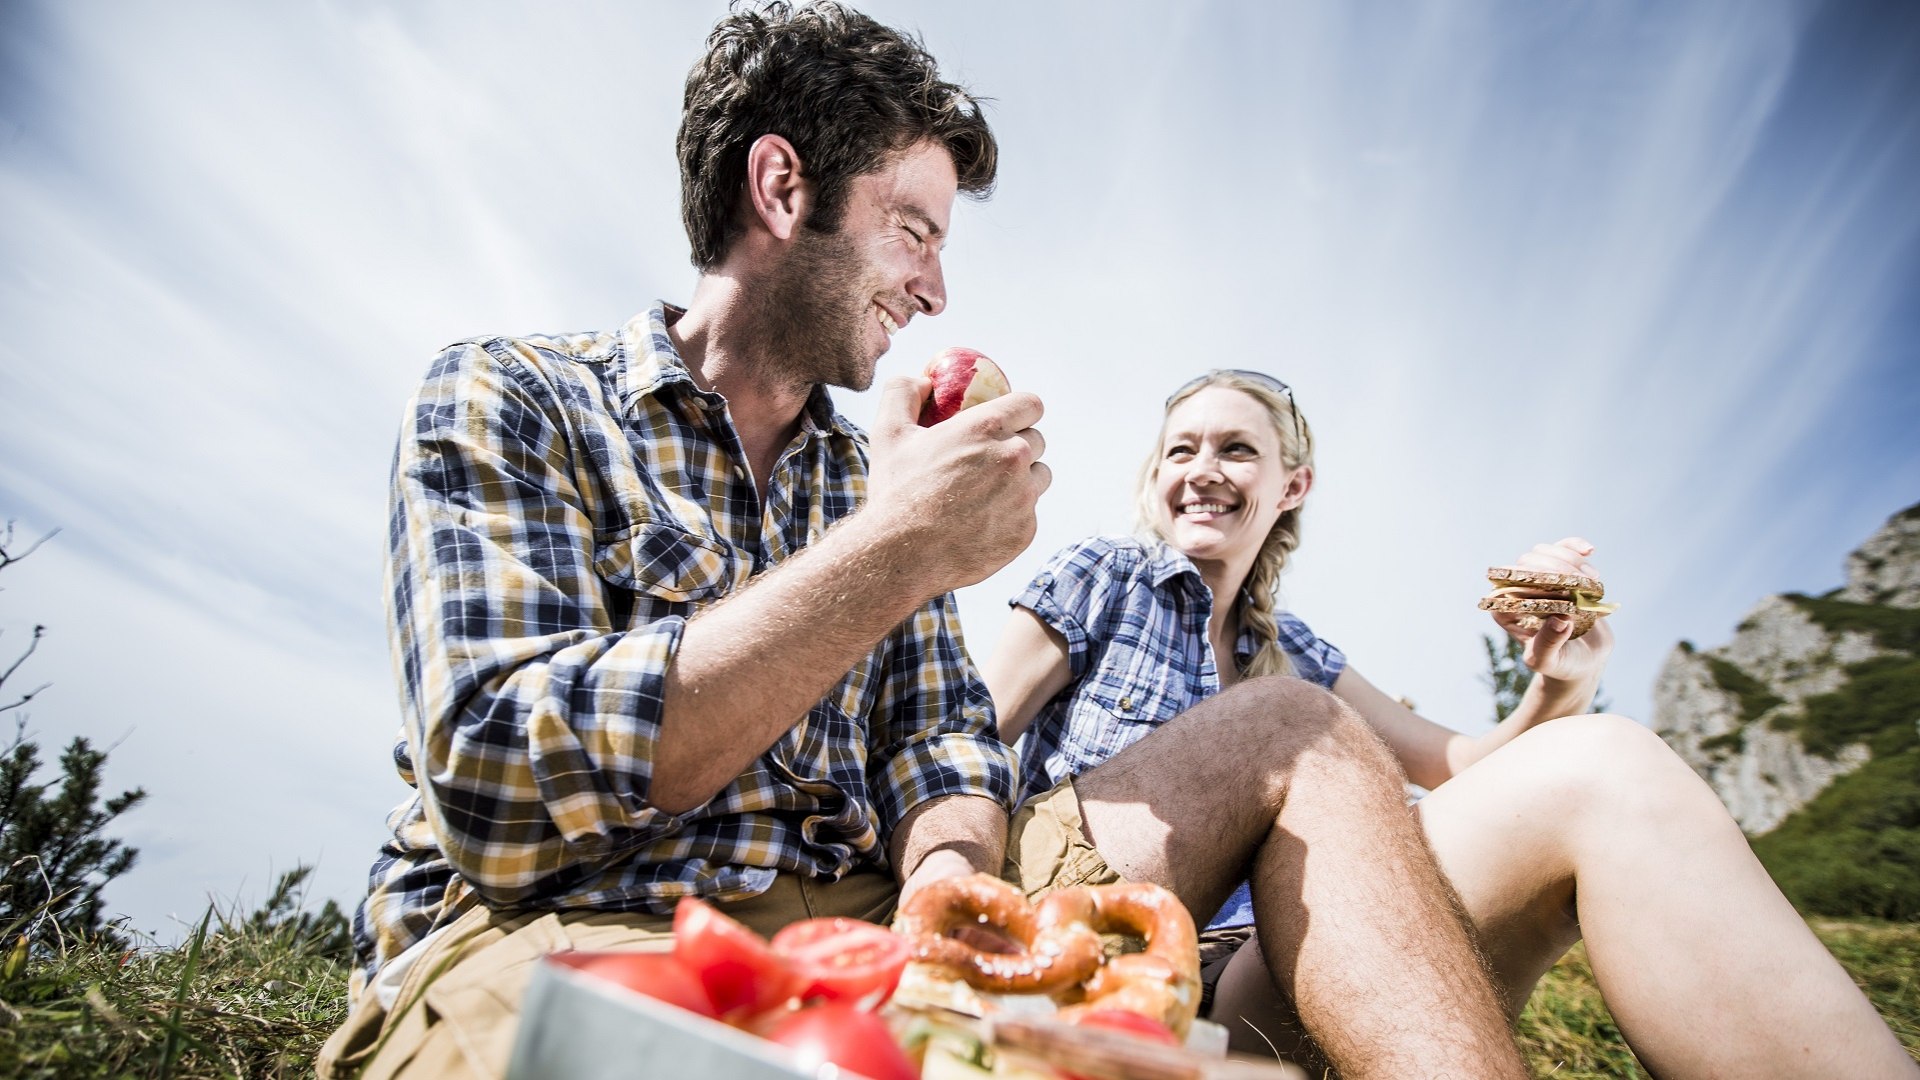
1260	377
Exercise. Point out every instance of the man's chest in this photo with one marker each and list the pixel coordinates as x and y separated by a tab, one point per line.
677	517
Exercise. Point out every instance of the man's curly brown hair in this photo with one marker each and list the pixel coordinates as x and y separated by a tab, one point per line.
848	93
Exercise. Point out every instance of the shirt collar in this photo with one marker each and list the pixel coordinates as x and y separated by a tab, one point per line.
1168	563
654	365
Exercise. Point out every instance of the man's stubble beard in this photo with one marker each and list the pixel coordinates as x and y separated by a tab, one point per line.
813	314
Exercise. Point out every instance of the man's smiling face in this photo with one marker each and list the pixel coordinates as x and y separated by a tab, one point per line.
840	296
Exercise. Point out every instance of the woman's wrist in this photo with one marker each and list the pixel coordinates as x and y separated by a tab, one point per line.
1571	693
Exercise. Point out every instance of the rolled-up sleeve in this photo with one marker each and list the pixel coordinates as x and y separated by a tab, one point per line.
932	730
1072	594
530	717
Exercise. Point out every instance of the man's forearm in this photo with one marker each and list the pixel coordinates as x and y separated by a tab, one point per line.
749	668
949	836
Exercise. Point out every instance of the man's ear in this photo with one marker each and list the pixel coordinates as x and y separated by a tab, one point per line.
778	193
1298	485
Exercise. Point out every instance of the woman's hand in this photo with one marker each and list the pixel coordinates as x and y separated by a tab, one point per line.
1551	651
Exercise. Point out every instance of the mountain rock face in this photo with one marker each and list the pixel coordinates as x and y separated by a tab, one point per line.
1886	569
1737	713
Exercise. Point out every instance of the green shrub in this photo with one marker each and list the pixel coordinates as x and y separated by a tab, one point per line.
1892	628
1855	849
1879	705
1753	695
1727	742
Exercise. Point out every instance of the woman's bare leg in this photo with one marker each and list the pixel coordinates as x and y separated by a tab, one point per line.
1591	824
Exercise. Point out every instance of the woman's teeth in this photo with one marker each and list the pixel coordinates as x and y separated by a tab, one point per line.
1206	508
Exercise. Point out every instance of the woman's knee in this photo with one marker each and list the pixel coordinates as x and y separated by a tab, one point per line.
1615	768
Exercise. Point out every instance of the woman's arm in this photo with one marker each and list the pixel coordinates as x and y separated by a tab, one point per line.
1027	668
1432	754
1566	674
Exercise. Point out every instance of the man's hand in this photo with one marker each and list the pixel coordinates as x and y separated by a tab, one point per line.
1551	651
945	863
963	491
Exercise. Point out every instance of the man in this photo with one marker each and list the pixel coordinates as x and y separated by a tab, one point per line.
667	625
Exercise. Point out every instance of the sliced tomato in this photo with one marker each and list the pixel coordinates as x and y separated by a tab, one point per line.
837	1033
844	959
741	972
657	975
1146	1027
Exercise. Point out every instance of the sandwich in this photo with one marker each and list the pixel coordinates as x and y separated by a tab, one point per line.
1533	595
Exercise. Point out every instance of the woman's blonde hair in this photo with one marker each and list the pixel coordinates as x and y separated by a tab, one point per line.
1254	606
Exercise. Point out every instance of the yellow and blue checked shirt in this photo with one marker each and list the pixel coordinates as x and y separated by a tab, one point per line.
561	507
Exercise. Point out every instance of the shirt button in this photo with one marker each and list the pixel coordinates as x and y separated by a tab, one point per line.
1126	703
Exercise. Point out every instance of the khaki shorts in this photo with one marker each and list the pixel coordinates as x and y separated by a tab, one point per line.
459	1004
1047	846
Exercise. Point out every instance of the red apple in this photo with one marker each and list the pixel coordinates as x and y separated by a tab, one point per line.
962	378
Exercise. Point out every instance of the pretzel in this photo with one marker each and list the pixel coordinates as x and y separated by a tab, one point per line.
1056	952
1164	981
1060	951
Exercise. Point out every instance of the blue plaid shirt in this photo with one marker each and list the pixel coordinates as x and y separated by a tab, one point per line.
1134	616
561	507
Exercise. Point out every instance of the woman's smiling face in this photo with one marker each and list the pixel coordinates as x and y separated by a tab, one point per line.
1222	481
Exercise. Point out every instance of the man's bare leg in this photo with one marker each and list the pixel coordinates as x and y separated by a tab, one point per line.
1592	823
1279	780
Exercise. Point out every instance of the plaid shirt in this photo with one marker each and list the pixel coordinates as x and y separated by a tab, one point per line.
1135	619
561	507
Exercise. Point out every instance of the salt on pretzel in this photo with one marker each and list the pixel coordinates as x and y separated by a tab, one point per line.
1054	953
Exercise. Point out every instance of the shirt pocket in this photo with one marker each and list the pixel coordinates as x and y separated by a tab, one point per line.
658	564
1132	691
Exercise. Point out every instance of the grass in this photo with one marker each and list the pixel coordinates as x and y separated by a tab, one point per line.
243	1000
1568	1034
246	996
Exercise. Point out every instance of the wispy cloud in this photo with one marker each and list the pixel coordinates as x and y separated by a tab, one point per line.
1640	271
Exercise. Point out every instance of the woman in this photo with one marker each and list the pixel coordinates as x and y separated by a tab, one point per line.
1582	825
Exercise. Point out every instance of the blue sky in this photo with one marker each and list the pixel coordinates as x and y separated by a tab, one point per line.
1645	272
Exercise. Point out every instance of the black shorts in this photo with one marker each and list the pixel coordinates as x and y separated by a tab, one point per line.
1216	948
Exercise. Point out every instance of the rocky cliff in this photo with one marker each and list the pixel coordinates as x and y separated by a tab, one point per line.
1807	690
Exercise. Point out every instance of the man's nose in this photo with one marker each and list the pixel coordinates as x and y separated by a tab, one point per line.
929	287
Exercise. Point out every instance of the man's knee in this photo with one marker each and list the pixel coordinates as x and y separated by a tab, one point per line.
1286	723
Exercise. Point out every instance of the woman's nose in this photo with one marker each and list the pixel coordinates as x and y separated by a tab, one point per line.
1205	467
